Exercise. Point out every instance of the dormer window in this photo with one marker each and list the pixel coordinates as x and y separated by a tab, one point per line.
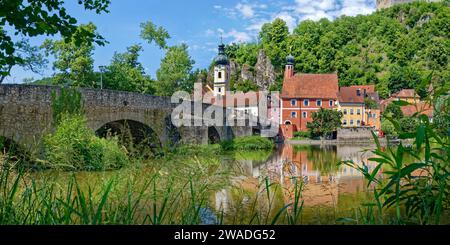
358	92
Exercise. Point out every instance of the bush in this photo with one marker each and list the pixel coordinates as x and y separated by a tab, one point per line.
388	128
248	143
74	146
306	134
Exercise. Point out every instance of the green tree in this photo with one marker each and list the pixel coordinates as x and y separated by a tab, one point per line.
324	122
126	73
30	58
274	38
175	70
73	64
32	18
246	86
393	111
152	33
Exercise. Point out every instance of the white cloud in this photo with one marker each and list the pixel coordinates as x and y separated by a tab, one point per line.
217	7
209	33
291	22
255	13
246	10
237	36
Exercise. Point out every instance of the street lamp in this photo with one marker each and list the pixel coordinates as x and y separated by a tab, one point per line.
102	69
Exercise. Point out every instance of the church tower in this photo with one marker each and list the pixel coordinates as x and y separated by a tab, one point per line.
221	72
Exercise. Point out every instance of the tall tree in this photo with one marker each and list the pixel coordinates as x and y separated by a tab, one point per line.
157	34
126	73
73	64
174	71
274	41
30	58
32	18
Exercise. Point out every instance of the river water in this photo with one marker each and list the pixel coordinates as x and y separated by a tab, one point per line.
330	191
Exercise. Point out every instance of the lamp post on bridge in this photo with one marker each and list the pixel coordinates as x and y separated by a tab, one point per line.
102	69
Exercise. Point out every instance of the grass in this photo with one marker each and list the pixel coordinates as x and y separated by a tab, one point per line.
248	143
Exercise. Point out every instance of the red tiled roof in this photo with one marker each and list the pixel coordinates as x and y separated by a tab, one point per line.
349	95
368	88
406	93
420	107
323	86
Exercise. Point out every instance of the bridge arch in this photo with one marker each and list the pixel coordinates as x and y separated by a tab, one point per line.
213	135
134	135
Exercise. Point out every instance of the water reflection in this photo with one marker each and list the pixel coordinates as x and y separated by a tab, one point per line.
326	183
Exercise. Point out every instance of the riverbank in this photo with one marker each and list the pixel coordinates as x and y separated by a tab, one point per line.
383	141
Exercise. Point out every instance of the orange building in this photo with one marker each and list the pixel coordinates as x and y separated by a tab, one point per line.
302	95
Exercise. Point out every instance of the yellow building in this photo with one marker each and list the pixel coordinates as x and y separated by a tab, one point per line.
408	95
373	118
351	104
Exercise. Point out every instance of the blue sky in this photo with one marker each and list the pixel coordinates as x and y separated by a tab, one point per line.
198	23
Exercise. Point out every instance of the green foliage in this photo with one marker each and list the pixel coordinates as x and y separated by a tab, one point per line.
441	116
302	135
73	58
40	17
242	53
274	41
408	124
248	143
388	128
393	110
245	86
393	48
370	103
29	58
73	146
324	122
67	102
174	72
126	73
152	33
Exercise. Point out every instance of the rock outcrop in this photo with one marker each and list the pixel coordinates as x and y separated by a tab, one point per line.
262	74
264	71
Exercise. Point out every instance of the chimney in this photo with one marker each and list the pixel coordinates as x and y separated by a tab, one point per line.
289	69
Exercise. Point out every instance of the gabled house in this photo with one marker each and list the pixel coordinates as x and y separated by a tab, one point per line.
302	95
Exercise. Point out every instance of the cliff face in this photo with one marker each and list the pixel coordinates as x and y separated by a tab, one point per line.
262	74
381	4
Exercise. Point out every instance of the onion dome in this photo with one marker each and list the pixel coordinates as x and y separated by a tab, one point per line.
290	60
222	58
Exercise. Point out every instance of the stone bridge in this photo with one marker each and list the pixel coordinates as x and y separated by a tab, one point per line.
26	115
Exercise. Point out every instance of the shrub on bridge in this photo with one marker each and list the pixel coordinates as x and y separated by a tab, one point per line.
73	146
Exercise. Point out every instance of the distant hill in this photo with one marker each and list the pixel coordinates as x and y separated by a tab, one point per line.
394	48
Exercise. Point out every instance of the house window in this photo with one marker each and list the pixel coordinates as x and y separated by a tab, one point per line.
351	122
345	111
220	90
352	112
358	111
345	123
305	114
358	123
293	102
331	103
319	102
220	74
293	114
374	115
306	102
358	92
